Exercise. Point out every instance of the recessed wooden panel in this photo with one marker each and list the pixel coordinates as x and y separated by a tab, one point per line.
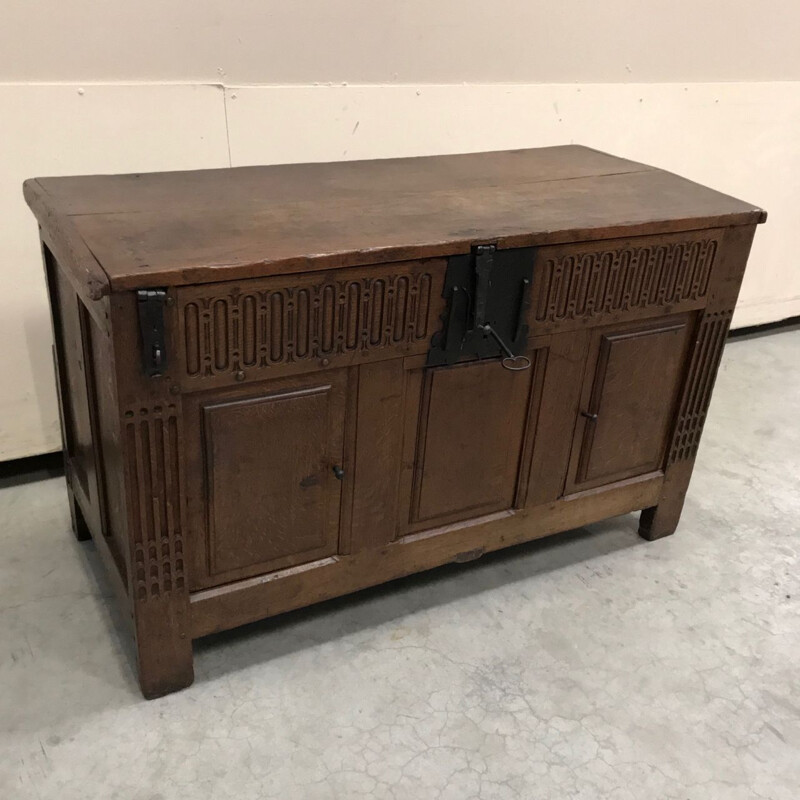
72	329
471	426
563	366
108	450
272	497
629	399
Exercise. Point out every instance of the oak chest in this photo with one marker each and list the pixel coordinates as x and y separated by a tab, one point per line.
282	384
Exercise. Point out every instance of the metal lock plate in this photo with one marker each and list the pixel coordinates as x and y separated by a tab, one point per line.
488	294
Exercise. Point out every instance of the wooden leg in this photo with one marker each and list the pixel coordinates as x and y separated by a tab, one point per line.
164	647
79	526
662	520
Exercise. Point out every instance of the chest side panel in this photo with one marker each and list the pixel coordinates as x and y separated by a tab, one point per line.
73	342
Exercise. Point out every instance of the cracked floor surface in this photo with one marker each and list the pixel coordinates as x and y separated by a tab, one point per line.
589	665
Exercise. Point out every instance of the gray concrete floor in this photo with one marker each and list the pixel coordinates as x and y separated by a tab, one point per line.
590	665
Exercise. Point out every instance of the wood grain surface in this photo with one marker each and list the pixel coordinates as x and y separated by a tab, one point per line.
165	229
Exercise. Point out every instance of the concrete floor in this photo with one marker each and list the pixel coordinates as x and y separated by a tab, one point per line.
590	665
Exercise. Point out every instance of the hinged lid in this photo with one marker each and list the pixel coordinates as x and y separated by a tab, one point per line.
175	228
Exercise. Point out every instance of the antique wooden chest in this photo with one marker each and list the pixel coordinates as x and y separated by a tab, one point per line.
282	384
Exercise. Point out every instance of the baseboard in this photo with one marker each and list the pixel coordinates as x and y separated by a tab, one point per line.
753	331
30	469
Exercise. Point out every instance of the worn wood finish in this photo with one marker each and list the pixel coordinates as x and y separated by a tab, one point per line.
297	447
193	227
237	603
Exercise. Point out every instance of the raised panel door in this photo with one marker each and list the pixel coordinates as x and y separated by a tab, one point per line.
464	440
272	464
633	377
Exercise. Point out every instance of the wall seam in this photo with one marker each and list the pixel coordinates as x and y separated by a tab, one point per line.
227	127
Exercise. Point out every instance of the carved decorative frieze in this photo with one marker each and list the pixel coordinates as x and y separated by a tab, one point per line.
281	324
575	284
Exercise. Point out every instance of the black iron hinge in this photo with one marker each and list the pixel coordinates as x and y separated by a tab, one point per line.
151	325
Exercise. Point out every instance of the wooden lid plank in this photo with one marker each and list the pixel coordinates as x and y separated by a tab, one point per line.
165	229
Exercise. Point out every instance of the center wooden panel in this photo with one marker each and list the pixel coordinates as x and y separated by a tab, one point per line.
471	426
273	499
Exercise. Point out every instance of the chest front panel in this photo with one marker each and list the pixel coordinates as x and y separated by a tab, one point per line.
318	428
436	446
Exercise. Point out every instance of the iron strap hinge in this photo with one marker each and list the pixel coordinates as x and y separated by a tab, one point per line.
151	304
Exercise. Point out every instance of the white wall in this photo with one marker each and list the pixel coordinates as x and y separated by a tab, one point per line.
406	41
710	90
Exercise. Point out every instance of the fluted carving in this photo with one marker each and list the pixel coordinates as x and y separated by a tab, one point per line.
262	328
152	444
699	383
586	284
